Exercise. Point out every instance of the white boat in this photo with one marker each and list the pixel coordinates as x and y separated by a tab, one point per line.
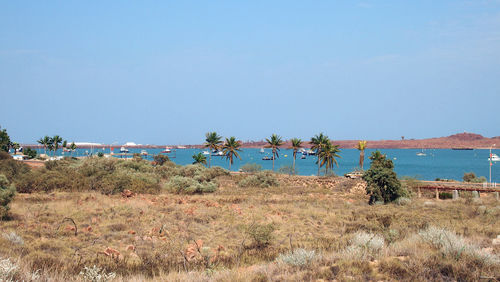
310	152
262	150
421	154
144	152
123	150
494	158
181	147
206	153
167	150
217	153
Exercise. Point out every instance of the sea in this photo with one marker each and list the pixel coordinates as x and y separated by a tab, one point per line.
437	163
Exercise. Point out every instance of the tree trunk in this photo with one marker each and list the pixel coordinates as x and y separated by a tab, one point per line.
293	166
273	159
361	158
210	160
318	164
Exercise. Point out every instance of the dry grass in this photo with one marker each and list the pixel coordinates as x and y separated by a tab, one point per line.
171	237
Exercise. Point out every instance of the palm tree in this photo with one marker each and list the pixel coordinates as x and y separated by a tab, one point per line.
56	140
72	147
361	147
328	155
230	149
44	141
199	159
274	143
296	145
213	143
318	142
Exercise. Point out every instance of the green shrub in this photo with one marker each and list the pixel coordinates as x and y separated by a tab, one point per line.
13	169
251	168
261	234
31	153
186	185
288	169
7	192
261	179
471	177
382	182
161	159
445	195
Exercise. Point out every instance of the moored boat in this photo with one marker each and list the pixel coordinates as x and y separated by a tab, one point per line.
494	158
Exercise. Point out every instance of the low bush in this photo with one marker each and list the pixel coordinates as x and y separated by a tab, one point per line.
161	159
13	169
13	238
186	185
455	246
8	270
251	168
365	246
297	257
445	195
261	179
471	177
7	192
261	234
96	274
288	169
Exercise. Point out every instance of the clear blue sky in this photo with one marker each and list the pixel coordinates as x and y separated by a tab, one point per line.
166	72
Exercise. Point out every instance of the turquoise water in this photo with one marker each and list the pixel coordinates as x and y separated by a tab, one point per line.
442	163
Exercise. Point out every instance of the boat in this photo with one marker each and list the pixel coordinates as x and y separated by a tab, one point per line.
462	148
262	150
144	152
494	158
310	152
218	153
206	153
303	157
267	158
167	150
123	150
421	154
181	147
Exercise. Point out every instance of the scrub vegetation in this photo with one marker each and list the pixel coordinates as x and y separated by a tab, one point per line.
102	219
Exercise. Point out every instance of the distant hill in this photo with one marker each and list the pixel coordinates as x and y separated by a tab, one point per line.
459	140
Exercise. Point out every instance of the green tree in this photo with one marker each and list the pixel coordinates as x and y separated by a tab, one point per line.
65	144
382	182
7	193
274	143
4	140
319	141
31	153
296	145
328	156
55	142
213	142
199	159
161	159
361	147
230	149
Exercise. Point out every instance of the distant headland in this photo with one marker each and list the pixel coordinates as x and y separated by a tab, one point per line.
456	141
